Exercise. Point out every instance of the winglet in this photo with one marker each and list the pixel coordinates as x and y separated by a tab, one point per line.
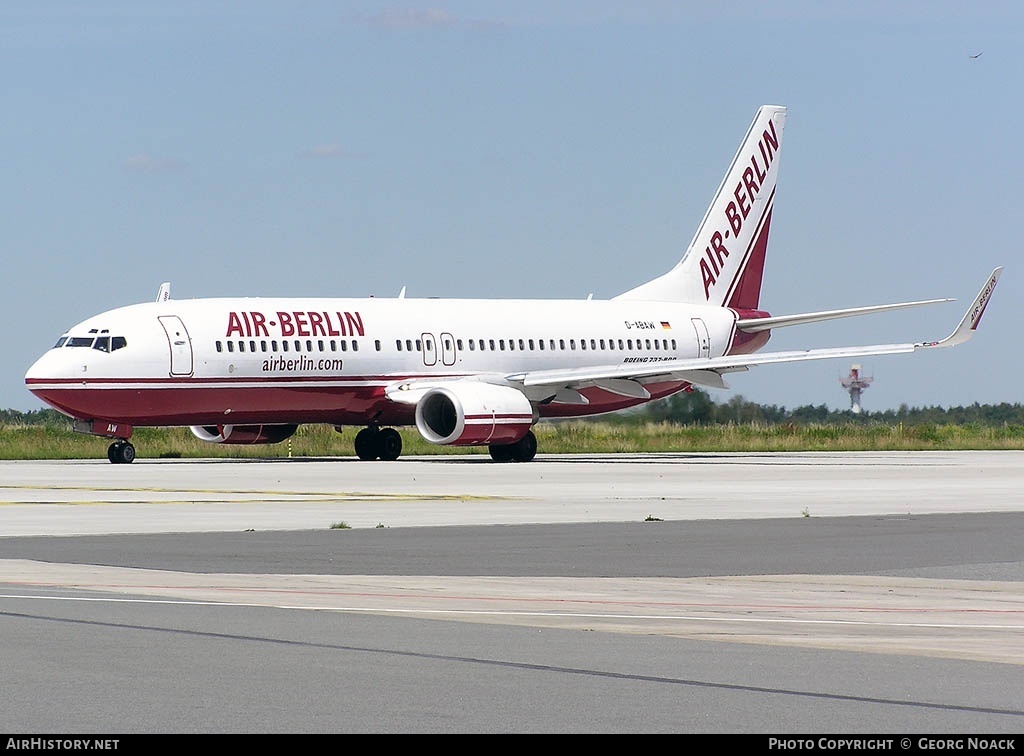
969	323
164	292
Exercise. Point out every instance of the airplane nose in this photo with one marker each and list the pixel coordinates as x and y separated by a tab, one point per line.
43	371
36	371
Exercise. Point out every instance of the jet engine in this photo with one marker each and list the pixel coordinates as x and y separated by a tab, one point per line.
472	414
243	434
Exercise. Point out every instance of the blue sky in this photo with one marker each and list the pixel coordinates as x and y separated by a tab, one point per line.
517	149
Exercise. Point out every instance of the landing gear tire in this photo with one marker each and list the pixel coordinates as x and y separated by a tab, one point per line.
389	442
501	453
121	452
523	450
367	443
127	453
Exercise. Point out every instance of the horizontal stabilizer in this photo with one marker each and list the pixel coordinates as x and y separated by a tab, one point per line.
753	325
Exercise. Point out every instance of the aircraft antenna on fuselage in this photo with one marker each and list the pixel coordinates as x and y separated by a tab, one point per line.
164	293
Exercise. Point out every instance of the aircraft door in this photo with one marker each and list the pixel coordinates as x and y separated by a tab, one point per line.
429	349
180	344
703	337
447	349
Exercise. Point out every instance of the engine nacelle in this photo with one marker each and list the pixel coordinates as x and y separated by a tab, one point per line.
473	414
243	434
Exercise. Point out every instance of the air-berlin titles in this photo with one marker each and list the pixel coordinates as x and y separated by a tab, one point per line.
302	323
736	212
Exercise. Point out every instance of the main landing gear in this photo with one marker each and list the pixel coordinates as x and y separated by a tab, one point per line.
121	452
523	450
373	442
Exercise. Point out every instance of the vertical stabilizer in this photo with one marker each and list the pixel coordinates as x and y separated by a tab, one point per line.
725	260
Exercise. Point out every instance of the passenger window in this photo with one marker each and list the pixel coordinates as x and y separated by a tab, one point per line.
219	347
376	344
355	345
231	346
344	346
398	344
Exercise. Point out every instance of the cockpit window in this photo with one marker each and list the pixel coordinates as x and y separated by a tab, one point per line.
110	343
60	342
80	341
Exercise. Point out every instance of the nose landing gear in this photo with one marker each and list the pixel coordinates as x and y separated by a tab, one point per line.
121	452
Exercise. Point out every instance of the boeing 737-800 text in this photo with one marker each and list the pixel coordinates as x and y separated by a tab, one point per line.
464	372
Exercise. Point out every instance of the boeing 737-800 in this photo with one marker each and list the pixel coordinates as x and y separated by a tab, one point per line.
464	372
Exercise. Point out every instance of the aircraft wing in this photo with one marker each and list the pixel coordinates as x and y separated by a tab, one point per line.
626	379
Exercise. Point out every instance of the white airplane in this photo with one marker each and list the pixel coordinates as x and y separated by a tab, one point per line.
463	371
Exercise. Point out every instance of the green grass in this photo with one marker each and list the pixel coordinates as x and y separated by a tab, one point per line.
57	441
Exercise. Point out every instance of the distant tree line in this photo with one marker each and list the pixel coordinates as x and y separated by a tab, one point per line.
33	417
698	408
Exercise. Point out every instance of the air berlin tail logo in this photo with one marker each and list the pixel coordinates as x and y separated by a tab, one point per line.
752	181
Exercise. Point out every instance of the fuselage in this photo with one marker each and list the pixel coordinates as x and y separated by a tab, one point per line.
261	360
